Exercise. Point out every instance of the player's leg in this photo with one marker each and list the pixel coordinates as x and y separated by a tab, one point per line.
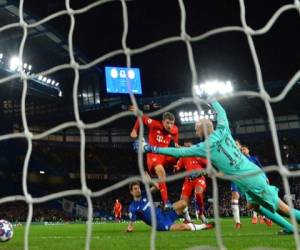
266	202
155	165
196	210
235	196
273	202
161	174
186	192
275	217
200	186
179	207
191	227
254	217
284	209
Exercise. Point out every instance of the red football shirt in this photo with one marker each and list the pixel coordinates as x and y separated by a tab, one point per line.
117	207
158	136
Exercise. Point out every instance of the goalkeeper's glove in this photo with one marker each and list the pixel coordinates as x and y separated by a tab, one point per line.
146	147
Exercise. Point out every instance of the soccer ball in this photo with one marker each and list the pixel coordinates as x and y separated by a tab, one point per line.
6	230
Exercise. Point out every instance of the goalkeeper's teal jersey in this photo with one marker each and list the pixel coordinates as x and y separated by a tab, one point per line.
223	152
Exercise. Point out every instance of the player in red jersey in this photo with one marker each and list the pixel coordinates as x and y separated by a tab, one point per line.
193	183
161	133
118	210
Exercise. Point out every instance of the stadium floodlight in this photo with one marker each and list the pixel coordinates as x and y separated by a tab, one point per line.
15	63
42	172
47	80
229	87
211	88
197	89
187	117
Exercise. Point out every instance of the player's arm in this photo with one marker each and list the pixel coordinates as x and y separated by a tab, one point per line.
195	150
222	121
132	218
130	227
146	120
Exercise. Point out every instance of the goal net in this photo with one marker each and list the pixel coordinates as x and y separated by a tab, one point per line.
184	38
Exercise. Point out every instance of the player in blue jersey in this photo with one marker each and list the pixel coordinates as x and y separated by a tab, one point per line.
139	208
220	147
246	151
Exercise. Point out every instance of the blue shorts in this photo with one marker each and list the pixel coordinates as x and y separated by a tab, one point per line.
165	219
234	187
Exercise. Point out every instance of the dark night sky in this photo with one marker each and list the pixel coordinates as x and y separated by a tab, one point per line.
224	56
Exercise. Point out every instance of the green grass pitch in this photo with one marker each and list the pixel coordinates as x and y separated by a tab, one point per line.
112	236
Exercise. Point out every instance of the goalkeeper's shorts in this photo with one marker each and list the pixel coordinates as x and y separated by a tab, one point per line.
258	191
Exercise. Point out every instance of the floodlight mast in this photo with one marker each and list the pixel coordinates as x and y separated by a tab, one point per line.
208	88
16	65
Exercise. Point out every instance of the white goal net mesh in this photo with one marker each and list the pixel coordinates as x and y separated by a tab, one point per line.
183	37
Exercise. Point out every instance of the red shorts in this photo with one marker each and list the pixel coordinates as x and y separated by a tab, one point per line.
190	185
156	159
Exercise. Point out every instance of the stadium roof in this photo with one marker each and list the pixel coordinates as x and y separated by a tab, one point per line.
44	48
225	56
99	30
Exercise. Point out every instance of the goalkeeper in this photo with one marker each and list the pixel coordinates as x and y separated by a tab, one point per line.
228	159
